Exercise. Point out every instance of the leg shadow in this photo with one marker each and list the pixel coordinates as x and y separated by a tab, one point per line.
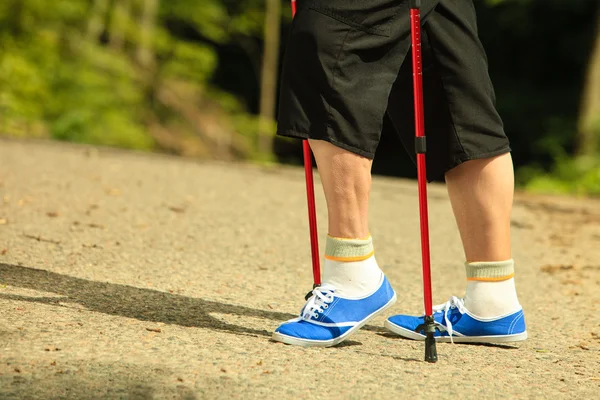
131	302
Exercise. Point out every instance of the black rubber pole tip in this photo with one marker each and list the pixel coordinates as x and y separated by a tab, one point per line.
309	294
430	349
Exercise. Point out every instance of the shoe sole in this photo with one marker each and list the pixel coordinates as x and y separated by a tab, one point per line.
332	342
408	334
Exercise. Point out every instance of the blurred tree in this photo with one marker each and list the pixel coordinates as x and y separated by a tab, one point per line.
270	68
119	23
97	19
145	50
588	141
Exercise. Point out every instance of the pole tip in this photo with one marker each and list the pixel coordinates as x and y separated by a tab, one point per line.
430	349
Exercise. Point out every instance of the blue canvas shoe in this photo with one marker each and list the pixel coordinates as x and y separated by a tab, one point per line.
327	319
457	325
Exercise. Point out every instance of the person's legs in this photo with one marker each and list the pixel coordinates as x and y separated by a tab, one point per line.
353	288
481	193
346	179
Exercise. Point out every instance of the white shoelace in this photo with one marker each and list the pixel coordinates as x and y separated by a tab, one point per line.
452	303
322	296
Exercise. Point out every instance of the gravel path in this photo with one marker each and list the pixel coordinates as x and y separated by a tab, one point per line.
136	276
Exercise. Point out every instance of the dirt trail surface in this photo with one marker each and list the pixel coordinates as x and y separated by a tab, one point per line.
134	276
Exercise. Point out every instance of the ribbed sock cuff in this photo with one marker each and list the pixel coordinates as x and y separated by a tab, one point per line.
347	250
494	271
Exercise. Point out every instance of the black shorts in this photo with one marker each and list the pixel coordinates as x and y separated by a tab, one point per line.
344	69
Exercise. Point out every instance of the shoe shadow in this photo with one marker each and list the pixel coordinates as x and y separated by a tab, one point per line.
347	343
393	336
377	329
131	302
496	345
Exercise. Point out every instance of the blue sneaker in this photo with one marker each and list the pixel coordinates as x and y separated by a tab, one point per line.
327	319
457	325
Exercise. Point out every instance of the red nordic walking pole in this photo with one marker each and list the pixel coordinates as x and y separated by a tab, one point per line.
310	195
312	213
420	148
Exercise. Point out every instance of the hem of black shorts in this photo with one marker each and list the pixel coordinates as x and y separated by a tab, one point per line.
302	135
440	177
466	157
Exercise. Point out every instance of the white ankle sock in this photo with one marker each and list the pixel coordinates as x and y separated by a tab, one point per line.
491	289
350	266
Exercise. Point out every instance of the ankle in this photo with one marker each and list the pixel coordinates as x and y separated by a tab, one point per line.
491	290
351	267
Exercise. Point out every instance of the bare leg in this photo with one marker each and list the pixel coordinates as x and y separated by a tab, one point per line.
346	179
481	192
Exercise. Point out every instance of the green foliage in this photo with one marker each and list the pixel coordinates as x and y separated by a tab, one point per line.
579	176
190	61
567	174
24	91
57	80
208	17
247	17
97	101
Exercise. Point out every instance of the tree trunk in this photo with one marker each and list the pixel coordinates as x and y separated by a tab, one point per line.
145	51
119	24
97	18
268	89
16	27
588	140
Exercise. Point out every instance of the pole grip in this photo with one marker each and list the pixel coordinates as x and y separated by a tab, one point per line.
415	4
420	145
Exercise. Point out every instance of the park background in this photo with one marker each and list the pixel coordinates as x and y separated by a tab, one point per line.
198	78
135	275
